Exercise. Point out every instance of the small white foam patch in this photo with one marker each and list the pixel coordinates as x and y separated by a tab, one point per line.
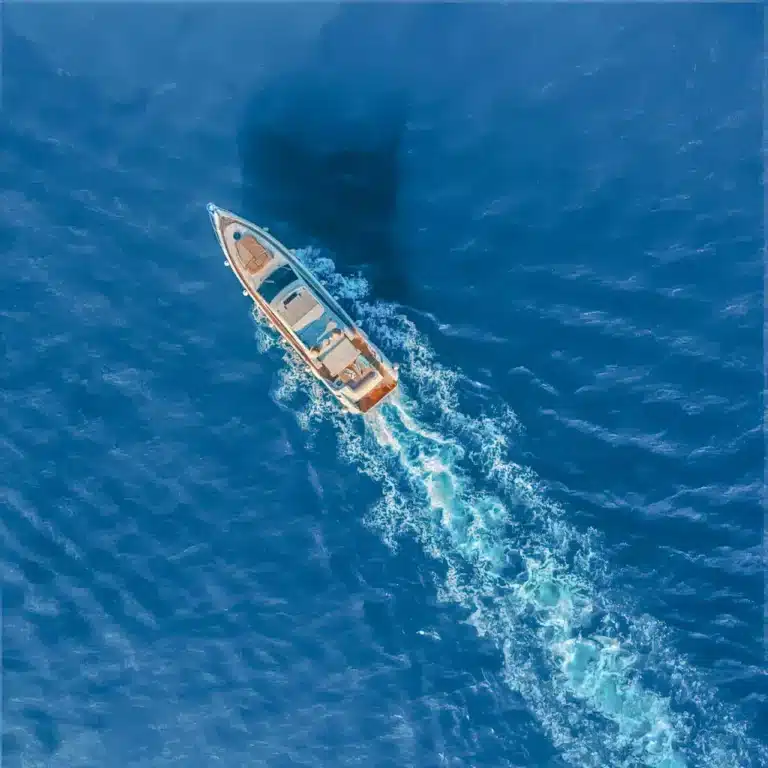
528	580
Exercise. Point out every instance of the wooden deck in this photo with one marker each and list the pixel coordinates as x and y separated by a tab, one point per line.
253	256
376	395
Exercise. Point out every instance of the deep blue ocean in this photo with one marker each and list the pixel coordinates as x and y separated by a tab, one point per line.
547	551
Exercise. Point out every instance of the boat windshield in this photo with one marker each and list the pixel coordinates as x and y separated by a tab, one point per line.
281	278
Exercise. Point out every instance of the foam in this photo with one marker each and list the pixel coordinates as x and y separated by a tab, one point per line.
527	579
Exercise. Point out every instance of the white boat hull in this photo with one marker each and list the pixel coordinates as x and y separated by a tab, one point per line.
302	311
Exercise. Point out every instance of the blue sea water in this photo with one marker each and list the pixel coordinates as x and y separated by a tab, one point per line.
547	551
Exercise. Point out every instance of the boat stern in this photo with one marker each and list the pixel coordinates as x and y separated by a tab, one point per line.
368	395
377	395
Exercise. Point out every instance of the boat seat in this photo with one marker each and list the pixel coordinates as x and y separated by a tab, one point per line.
364	379
253	255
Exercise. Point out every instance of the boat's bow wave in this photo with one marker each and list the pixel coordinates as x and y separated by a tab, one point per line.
577	653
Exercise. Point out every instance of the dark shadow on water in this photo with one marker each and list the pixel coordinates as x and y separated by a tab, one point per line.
320	148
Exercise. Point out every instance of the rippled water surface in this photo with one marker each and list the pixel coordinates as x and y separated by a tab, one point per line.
547	550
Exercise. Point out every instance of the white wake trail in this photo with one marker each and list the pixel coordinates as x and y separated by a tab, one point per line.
527	579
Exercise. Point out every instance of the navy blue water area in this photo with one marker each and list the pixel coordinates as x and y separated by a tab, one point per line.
547	551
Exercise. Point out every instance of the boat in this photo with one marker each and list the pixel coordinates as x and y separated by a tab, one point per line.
309	319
